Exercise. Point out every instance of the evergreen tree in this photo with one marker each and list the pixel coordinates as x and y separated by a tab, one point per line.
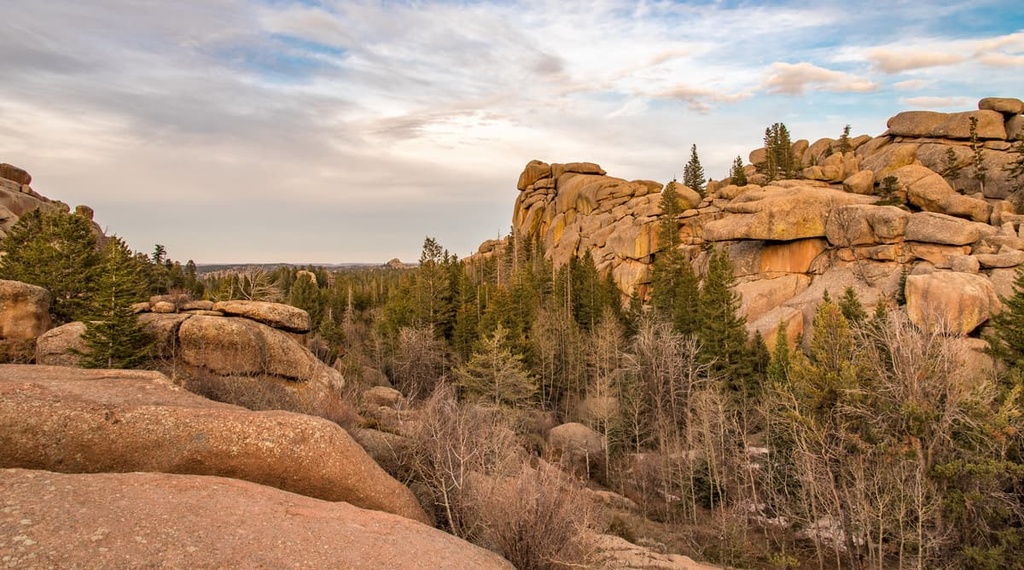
113	333
55	250
779	160
844	140
305	294
674	285
1015	169
952	168
851	307
737	173
722	330
1007	342
495	374
693	173
778	369
978	157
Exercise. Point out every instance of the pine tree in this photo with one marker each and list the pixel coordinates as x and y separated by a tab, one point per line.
693	173
1015	169
305	294
737	173
113	333
851	307
722	330
779	160
674	295
55	250
778	369
844	140
495	374
1007	342
978	158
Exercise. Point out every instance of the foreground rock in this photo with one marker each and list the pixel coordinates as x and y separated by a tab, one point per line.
614	553
90	421
52	520
24	310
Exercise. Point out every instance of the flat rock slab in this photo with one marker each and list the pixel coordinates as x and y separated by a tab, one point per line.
157	520
92	421
277	315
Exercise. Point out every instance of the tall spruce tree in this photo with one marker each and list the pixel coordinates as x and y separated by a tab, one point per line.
55	250
779	160
722	330
737	173
1007	342
113	334
674	285
693	173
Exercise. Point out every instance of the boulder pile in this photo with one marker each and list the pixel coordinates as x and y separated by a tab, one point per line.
248	353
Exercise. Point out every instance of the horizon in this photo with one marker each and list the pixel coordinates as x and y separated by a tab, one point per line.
295	130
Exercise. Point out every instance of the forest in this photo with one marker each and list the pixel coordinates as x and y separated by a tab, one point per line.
873	443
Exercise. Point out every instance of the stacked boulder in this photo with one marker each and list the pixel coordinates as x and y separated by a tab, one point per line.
910	205
245	352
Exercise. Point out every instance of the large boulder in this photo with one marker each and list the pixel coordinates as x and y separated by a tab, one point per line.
929	124
930	192
276	315
91	421
578	447
954	303
61	346
936	228
24	310
1005	105
157	520
779	213
15	174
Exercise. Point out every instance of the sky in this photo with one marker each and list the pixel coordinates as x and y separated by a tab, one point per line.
305	131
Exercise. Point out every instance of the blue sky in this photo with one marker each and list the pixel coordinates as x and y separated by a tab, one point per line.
332	131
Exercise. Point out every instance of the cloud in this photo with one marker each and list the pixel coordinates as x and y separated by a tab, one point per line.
888	61
701	99
935	102
796	78
911	84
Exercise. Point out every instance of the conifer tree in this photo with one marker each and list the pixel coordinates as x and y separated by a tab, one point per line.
495	374
978	158
851	307
722	330
1007	342
674	294
778	369
693	173
844	140
737	173
113	333
1015	169
55	250
305	294
779	160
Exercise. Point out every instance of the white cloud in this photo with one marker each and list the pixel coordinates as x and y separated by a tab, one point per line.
935	102
892	61
796	78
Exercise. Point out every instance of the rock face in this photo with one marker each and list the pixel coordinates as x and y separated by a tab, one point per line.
90	421
24	310
858	218
154	520
235	359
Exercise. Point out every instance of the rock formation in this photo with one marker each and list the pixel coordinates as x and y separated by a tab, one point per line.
93	421
144	520
24	315
241	352
859	218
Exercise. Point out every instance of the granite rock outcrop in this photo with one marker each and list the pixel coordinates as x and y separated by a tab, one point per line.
864	211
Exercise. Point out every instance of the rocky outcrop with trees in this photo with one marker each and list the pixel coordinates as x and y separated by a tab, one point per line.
936	196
